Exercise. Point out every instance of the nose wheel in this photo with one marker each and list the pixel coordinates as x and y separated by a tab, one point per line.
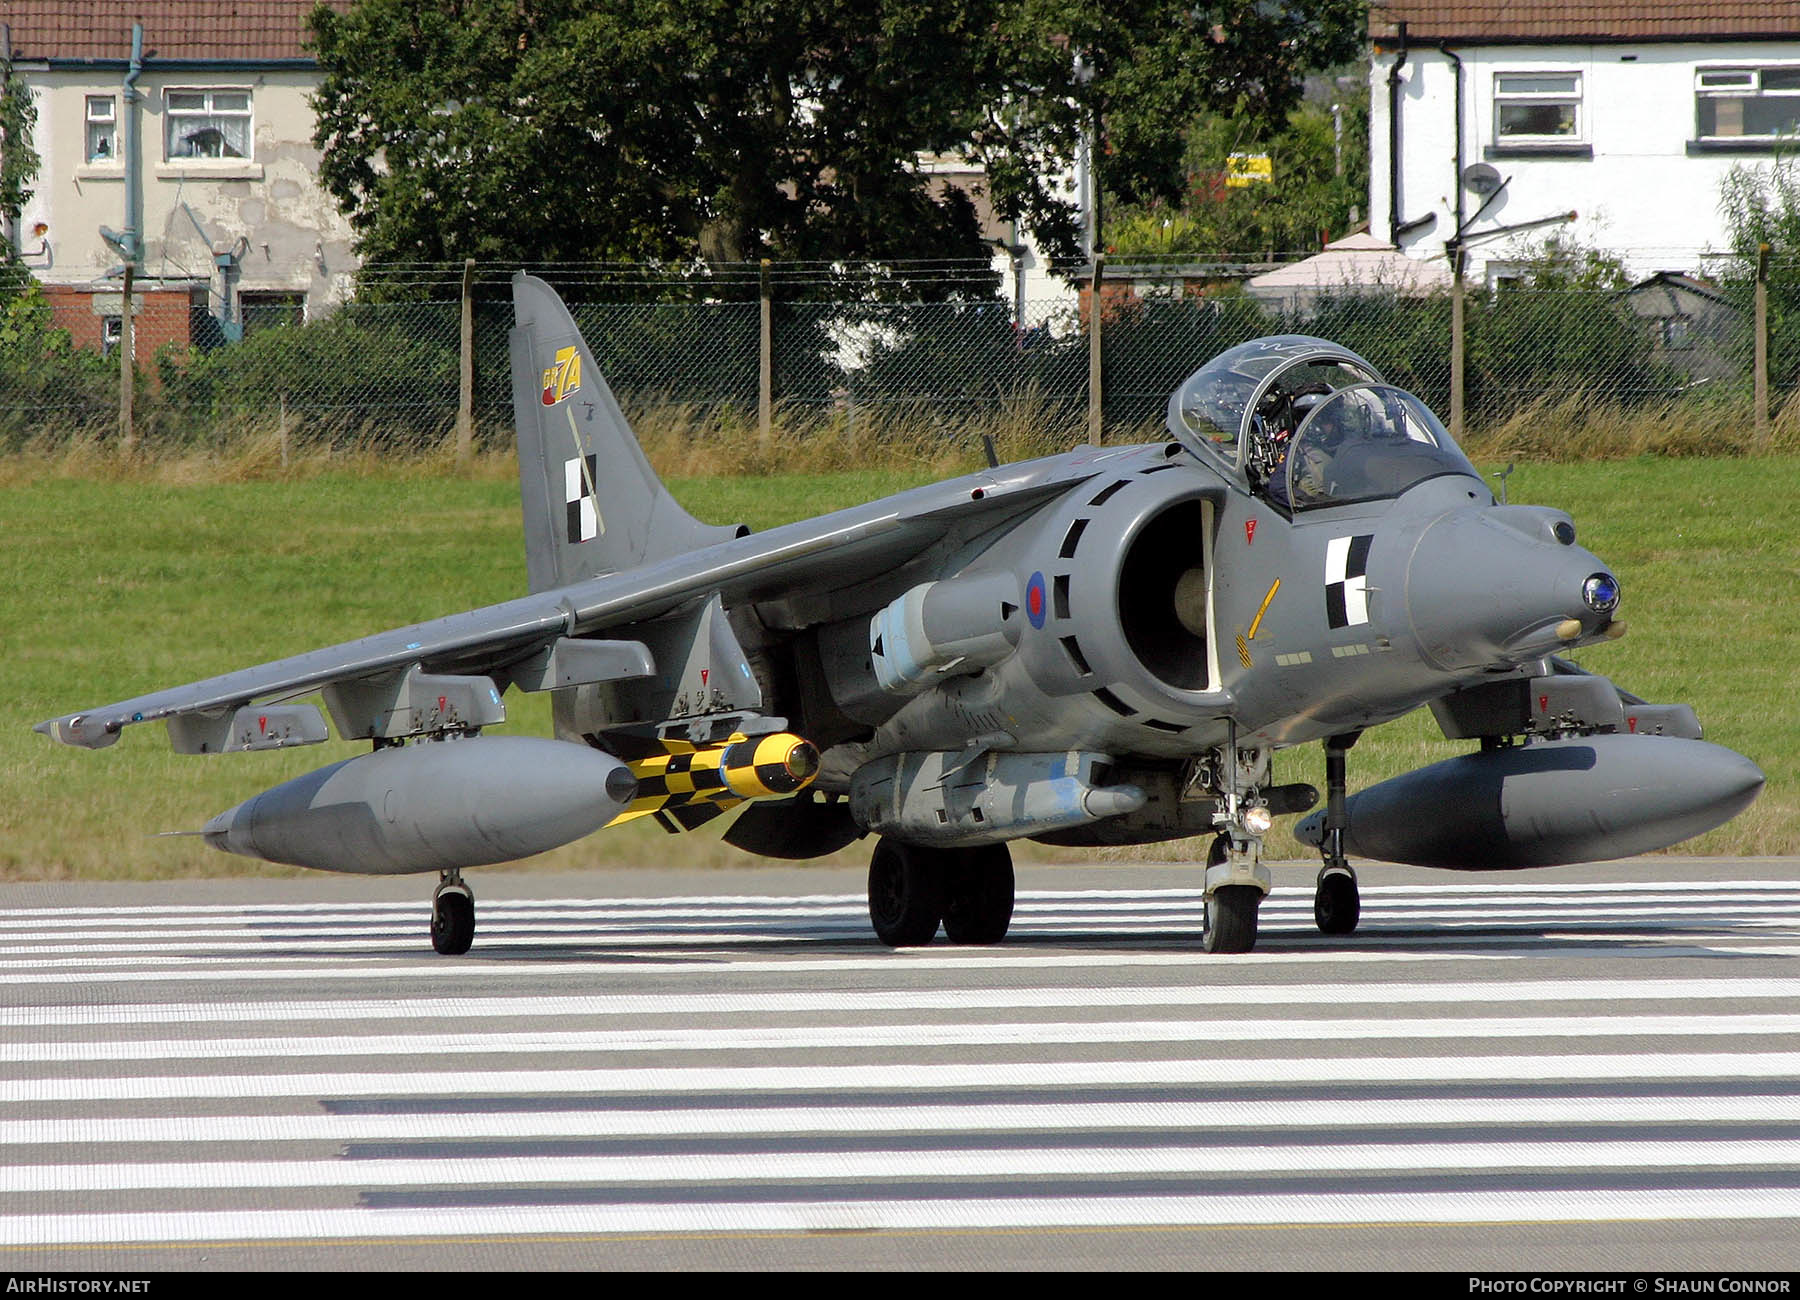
1235	885
452	916
1337	906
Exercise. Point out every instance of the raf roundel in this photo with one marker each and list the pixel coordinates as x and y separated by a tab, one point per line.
1034	600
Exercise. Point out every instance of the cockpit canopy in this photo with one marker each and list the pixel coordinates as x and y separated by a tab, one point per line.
1311	424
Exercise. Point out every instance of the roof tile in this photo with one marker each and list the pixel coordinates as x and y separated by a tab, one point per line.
1548	21
248	30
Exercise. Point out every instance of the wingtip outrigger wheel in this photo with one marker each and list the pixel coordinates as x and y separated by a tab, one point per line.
452	916
1337	906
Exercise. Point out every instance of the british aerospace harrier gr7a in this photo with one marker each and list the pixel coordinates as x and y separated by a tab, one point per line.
1102	647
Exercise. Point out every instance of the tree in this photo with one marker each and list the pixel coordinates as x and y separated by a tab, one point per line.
1761	206
557	130
1305	198
18	160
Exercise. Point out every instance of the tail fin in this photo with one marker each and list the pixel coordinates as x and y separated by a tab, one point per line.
592	503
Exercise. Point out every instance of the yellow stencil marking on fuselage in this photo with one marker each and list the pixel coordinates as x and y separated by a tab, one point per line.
1263	609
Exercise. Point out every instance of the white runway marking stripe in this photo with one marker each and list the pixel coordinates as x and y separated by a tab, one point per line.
1023	1115
1282	904
156	970
1521	1206
544	931
737	1039
1215	1071
868	1001
779	1166
1297	897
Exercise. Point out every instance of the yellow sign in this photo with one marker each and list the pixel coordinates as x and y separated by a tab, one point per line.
1246	169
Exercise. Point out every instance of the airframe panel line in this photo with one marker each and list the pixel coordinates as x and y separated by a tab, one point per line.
924	999
918	1034
1022	1116
924	1077
1522	1206
880	1166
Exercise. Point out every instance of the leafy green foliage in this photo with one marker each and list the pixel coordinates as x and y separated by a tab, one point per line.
333	375
651	130
1761	206
18	159
1305	200
43	378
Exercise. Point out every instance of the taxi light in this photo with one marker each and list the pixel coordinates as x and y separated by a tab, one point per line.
1601	593
1258	820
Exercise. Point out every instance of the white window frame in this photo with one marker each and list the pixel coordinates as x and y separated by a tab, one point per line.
108	120
1504	98
174	115
1745	83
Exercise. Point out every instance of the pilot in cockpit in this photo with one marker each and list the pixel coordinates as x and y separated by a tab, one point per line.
1281	416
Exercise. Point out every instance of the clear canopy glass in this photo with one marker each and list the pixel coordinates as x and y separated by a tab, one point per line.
1367	443
1220	404
1311	424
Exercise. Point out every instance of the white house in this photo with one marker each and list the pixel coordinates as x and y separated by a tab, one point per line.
1497	119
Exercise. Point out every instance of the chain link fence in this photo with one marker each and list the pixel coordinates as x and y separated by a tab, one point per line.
388	367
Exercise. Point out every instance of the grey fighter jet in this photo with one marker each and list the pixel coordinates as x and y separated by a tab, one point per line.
1102	647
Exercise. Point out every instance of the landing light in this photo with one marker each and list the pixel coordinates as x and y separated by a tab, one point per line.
1601	592
1258	820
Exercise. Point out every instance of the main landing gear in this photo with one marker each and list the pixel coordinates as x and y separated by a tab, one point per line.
913	888
1336	905
452	916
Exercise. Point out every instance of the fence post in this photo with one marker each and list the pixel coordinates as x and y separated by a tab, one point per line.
1457	347
465	401
1762	346
1094	314
127	344
765	364
282	432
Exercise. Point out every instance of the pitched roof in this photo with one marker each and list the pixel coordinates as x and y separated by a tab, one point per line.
232	30
1355	261
1557	21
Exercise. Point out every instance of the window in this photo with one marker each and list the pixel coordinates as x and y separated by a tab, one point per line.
206	124
1747	103
102	129
1537	107
262	309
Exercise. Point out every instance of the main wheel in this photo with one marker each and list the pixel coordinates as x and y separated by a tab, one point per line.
1231	918
452	922
1336	904
978	895
906	899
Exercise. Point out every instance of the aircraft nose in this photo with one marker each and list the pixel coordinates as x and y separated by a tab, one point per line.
1505	584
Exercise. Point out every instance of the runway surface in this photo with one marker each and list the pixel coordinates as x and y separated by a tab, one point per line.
1588	1070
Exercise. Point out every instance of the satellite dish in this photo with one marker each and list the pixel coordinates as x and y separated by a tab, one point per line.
1481	178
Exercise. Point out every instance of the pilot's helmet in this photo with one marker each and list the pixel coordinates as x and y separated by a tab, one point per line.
1303	405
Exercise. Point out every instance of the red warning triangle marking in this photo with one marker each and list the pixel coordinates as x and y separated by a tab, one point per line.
703	673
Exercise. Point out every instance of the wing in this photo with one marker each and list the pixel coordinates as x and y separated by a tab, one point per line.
507	640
